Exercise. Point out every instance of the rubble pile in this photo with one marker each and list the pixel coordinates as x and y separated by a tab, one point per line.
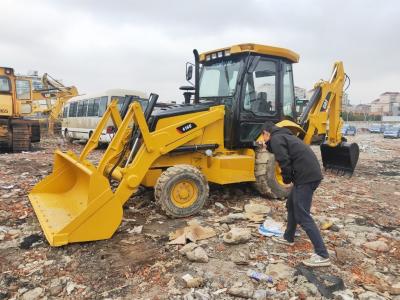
218	254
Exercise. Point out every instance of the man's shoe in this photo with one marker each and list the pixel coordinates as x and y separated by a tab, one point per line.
317	261
281	240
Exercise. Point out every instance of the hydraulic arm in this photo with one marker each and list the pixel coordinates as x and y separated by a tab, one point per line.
322	117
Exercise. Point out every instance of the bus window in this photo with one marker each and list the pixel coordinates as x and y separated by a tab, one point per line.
93	107
81	109
90	107
85	106
65	112
96	107
103	105
72	109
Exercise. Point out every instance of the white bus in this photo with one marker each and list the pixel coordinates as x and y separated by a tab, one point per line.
82	113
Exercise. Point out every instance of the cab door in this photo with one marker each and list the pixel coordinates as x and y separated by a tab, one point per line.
24	96
6	97
260	94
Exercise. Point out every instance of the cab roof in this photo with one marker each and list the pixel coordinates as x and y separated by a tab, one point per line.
255	48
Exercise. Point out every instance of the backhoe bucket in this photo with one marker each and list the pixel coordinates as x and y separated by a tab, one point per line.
342	158
75	203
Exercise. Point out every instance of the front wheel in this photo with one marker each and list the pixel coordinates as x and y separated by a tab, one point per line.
181	191
269	182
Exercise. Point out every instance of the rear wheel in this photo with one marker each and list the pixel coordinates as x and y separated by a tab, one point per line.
181	191
67	137
21	137
269	182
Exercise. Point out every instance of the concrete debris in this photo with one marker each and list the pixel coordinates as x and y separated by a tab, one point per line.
343	295
194	232
232	218
243	292
370	296
32	294
136	229
380	246
193	282
187	248
237	236
256	212
197	255
279	271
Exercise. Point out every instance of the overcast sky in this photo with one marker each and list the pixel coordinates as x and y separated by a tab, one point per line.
102	44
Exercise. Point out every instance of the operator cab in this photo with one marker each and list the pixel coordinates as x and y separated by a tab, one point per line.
254	82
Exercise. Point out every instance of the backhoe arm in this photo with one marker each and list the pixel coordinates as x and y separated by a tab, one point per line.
325	105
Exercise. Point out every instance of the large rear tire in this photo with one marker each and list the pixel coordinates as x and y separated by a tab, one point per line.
269	181
181	191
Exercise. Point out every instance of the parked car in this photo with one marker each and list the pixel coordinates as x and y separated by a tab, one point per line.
376	128
349	130
392	132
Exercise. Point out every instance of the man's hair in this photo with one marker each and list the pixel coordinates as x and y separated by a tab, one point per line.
267	126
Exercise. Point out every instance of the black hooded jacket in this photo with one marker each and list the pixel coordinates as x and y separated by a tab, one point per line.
296	159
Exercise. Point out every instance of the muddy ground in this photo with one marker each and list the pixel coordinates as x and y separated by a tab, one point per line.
362	213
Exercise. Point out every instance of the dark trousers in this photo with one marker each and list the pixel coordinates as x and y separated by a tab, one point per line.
298	208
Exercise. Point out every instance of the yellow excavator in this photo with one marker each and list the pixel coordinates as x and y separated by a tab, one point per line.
17	132
179	149
56	95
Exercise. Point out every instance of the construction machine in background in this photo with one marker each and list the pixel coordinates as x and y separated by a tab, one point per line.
17	133
179	149
55	94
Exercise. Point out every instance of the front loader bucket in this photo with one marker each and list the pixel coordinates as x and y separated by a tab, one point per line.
342	158
75	203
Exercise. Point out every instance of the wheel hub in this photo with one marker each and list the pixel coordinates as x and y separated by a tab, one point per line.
184	193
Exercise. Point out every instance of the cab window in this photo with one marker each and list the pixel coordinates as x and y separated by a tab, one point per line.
260	89
23	89
4	84
288	90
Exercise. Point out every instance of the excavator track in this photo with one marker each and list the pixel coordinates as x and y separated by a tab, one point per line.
4	144
21	137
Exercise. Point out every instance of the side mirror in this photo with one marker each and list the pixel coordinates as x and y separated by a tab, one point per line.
189	72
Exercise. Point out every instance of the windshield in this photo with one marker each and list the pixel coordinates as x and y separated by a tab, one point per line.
219	79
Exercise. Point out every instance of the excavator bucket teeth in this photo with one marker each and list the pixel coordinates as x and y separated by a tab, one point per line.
342	158
75	203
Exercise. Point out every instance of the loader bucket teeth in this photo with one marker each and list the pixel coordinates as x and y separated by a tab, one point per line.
342	158
75	203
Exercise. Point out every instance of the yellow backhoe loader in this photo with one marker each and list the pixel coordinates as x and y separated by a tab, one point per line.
16	131
179	149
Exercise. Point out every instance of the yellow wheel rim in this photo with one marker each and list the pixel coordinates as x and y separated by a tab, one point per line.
278	175
184	193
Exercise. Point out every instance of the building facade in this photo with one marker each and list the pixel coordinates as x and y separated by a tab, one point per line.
386	105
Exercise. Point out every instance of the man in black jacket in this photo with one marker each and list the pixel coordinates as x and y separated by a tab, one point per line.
299	166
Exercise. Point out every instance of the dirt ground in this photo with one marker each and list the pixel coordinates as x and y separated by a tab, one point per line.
362	213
